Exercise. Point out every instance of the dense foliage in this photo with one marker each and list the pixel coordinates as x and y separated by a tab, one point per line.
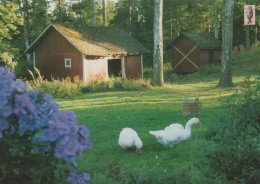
38	143
235	153
9	22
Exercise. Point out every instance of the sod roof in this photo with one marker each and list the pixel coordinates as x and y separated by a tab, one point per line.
97	41
203	40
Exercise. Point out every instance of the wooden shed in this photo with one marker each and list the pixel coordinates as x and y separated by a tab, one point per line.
87	52
190	51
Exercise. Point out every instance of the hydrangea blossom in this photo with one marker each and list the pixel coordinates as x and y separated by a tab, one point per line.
74	178
23	111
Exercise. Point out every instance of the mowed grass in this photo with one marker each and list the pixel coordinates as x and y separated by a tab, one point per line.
106	113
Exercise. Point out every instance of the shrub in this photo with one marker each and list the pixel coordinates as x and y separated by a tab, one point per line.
63	88
115	84
21	70
38	143
60	88
235	153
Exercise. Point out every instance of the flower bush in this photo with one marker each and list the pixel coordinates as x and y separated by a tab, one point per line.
38	143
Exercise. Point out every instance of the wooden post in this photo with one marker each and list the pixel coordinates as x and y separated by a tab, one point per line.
84	64
34	59
247	35
123	66
142	67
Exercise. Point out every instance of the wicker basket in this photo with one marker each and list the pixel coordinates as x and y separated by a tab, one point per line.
191	108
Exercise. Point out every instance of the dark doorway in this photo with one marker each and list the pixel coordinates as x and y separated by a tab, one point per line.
114	68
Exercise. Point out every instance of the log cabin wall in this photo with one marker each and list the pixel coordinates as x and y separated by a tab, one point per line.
50	55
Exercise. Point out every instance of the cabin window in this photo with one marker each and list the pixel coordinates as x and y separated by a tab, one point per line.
67	62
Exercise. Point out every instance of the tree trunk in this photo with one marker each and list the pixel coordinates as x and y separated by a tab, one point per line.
227	37
59	8
216	19
24	9
104	12
177	23
93	13
130	16
158	44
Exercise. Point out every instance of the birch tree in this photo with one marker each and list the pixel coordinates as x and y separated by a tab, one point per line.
104	12
216	13
24	9
227	37
130	11
93	13
158	43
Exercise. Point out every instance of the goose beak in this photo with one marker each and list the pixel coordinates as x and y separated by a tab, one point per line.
140	150
199	123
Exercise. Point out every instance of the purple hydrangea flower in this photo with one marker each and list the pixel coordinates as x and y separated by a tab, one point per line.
24	111
75	178
3	124
19	86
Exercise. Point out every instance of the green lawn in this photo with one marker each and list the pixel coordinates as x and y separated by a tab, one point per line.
106	113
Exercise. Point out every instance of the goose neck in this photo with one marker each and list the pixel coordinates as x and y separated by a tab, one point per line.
188	127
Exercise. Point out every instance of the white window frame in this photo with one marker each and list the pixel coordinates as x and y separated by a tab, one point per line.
66	64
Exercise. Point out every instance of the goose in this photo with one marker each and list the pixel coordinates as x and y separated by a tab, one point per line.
128	138
175	133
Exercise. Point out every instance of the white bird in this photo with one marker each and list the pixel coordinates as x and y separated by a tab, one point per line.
129	138
175	133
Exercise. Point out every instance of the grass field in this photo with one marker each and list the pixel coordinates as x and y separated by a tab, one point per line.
106	113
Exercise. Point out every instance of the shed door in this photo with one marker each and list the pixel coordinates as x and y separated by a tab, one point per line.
211	57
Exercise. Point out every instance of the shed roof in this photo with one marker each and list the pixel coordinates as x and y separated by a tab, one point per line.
96	41
203	40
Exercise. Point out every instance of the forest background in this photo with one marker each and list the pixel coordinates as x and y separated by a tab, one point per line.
21	21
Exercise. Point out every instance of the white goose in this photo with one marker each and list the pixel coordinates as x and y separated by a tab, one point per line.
175	133
129	138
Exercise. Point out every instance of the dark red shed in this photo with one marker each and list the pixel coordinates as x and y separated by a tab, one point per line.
190	51
87	52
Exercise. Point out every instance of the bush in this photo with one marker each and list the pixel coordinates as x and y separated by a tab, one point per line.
235	153
21	70
60	88
63	88
38	143
6	59
115	84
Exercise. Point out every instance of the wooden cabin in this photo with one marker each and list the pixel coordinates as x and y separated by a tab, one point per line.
190	51
87	52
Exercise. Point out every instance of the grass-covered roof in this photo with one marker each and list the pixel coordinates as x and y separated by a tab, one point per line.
203	40
99	41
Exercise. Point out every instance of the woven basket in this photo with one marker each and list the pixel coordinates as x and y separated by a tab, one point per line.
191	108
